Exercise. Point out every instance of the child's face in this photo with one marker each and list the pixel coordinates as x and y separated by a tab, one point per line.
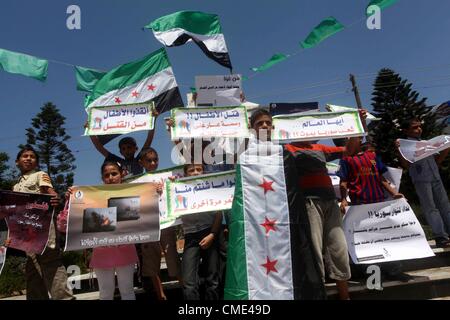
414	130
128	150
358	144
149	161
27	162
263	127
194	170
111	175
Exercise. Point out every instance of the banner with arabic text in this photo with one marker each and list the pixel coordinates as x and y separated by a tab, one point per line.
112	214
217	91
28	216
384	231
161	176
415	150
225	122
317	126
212	192
119	119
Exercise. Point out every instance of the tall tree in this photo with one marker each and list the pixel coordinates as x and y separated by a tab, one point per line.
6	174
395	103
48	136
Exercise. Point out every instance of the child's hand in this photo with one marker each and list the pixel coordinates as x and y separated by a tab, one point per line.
155	113
207	241
170	122
173	178
7	242
363	114
54	201
343	205
159	188
61	221
397	144
398	196
86	124
68	193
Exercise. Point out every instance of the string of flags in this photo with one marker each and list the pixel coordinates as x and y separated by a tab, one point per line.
325	29
174	30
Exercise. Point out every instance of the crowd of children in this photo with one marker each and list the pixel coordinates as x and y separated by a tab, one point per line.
201	269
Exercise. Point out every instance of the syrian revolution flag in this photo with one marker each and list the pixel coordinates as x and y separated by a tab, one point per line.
150	78
204	29
270	254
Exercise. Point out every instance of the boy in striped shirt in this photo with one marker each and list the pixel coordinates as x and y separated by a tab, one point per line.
361	175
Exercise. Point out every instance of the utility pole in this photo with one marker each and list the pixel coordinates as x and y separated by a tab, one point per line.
355	91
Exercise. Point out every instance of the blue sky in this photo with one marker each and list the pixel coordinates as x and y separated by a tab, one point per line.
413	41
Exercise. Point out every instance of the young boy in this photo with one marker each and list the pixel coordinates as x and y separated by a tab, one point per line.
128	148
427	181
201	243
361	175
151	251
44	273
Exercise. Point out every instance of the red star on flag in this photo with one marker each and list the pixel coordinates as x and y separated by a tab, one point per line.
269	225
117	100
151	87
266	185
270	265
135	94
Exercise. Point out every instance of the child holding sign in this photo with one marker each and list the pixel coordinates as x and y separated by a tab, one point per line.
428	184
201	233
45	273
111	260
151	251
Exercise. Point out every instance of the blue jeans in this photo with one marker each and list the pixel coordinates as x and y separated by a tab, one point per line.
209	258
435	206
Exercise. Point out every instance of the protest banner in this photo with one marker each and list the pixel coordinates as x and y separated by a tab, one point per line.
212	192
119	119
394	176
292	108
218	91
161	176
228	122
112	214
28	216
314	126
415	150
384	231
334	108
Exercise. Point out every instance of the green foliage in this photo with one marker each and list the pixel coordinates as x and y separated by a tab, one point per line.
12	279
48	136
76	258
6	181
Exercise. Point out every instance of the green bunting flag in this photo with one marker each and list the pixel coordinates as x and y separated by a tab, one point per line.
276	58
326	28
19	63
87	78
380	3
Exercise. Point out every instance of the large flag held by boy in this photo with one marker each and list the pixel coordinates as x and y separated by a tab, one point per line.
270	254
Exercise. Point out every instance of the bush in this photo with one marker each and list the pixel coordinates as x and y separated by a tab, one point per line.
75	258
12	279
